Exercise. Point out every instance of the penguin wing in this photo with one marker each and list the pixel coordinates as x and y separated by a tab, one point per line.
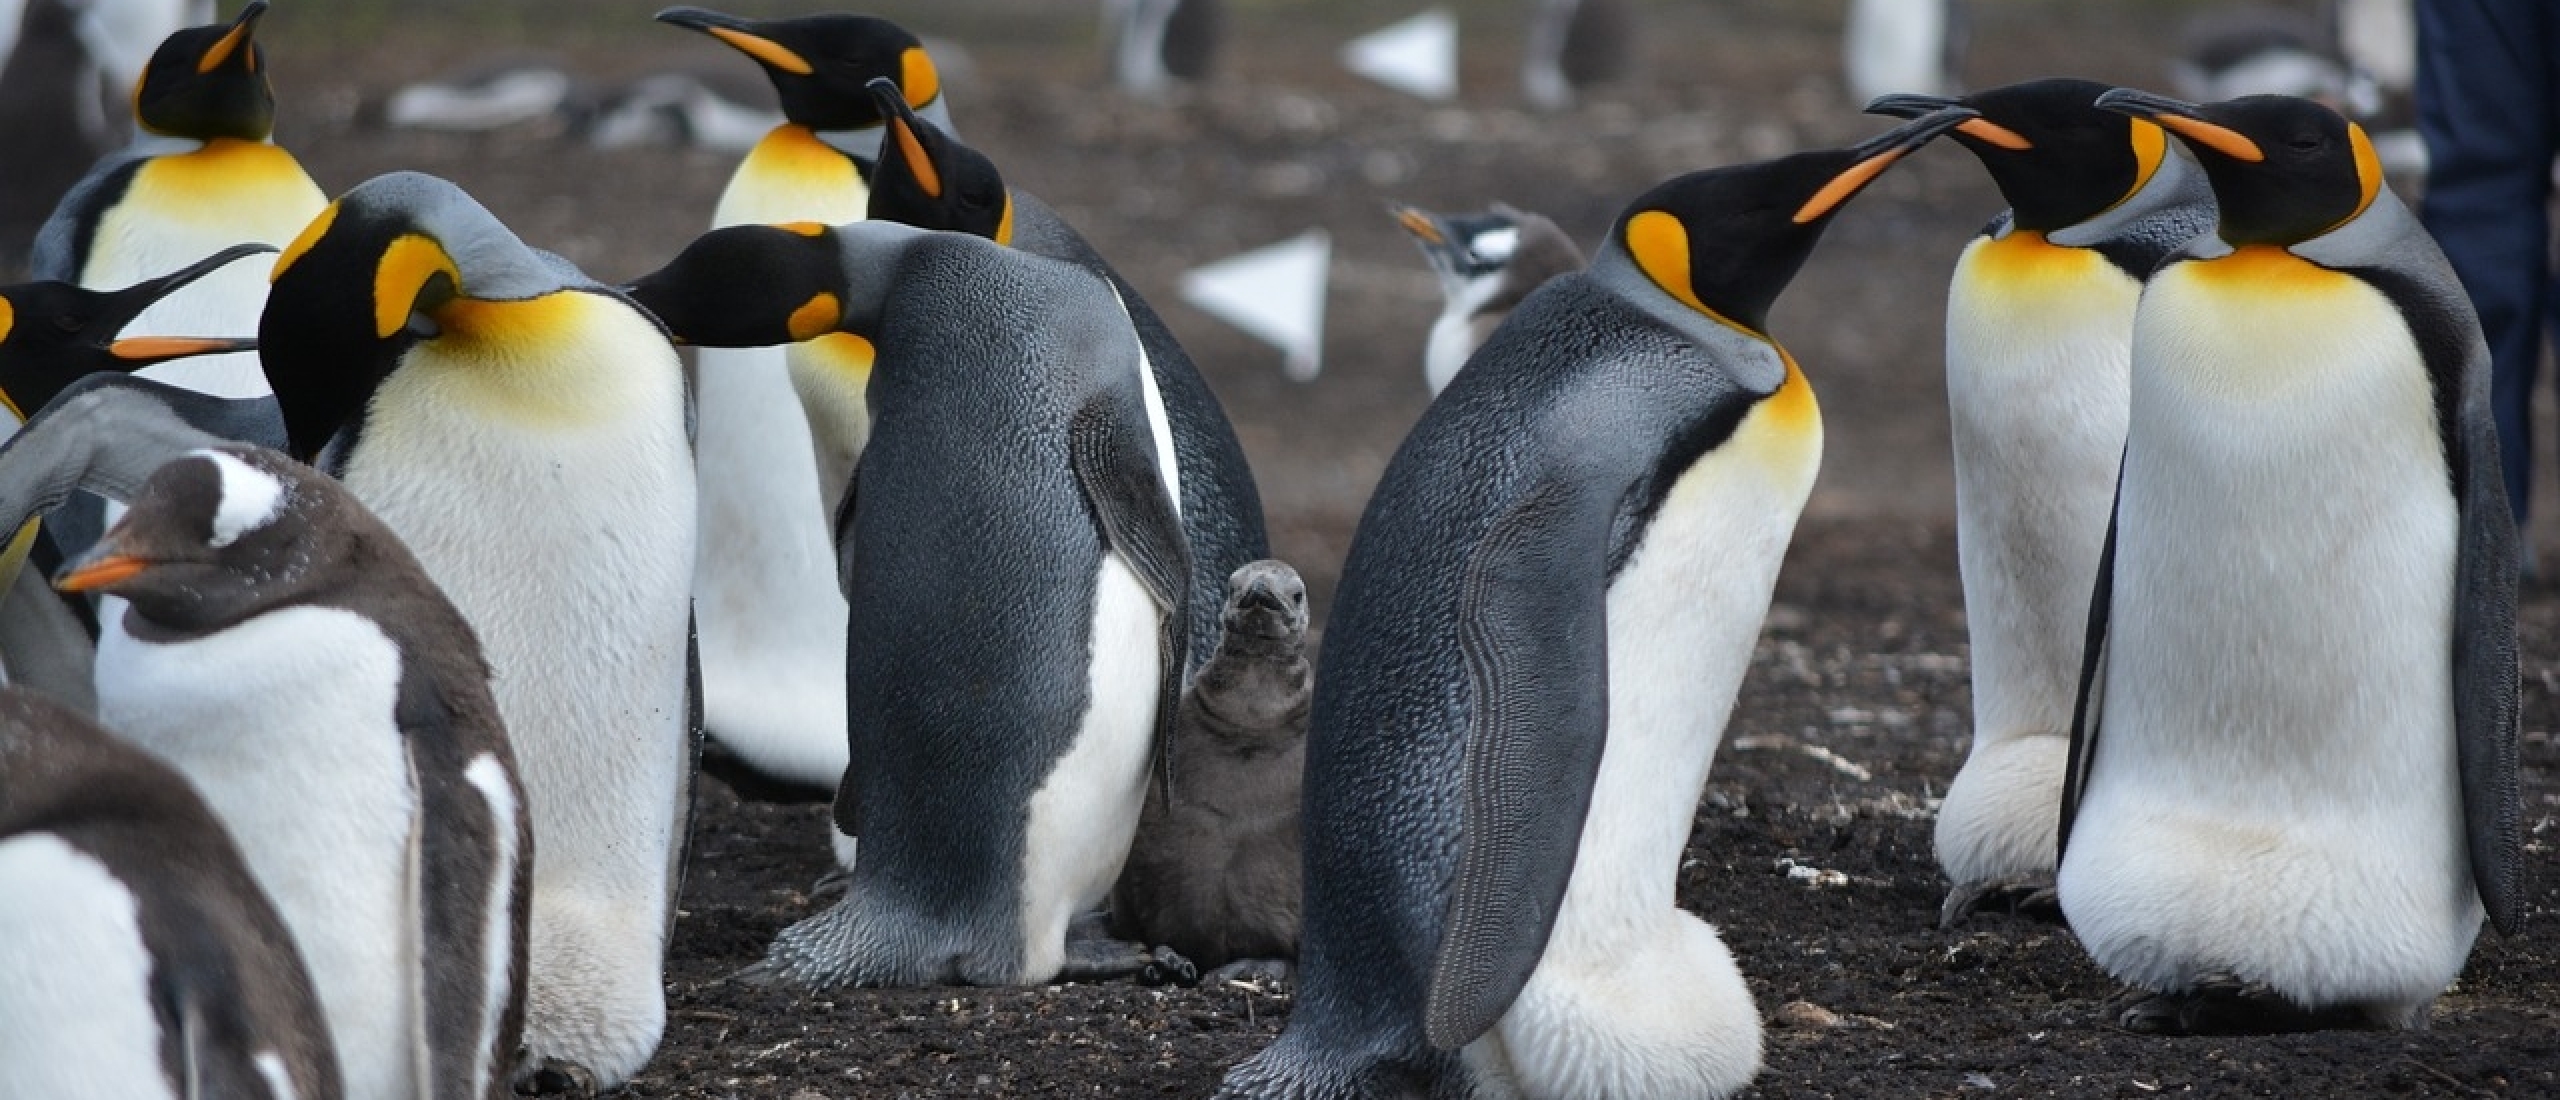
103	435
62	244
1117	473
1532	629
2093	679
465	879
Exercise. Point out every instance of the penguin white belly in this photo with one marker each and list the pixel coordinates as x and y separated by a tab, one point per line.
2274	792
75	978
1635	998
182	208
285	724
1081	820
554	503
2039	342
1452	341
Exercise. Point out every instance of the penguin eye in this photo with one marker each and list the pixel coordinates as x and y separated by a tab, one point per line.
2306	143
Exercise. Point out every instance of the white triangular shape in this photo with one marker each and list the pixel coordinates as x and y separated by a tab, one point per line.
1275	292
1418	57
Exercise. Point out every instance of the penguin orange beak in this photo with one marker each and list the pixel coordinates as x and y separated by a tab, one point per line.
102	569
1418	223
1878	153
2184	120
741	36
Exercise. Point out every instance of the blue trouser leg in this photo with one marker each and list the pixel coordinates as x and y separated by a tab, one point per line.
2487	104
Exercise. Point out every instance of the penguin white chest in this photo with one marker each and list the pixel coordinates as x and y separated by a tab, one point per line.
1456	334
285	724
2274	788
75	978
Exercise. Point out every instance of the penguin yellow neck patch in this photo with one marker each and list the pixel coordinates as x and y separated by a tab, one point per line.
918	78
406	268
791	160
1792	409
303	241
223	177
2265	269
2150	150
2026	258
2368	174
8	318
845	354
1660	245
815	317
1004	228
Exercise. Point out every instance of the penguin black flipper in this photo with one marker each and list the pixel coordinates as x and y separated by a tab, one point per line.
1532	627
2093	675
147	422
1126	492
454	883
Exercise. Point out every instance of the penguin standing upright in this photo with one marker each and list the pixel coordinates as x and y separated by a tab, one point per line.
1486	263
2292	789
138	958
1156	42
1546	615
2039	339
522	429
772	619
203	177
282	650
1016	576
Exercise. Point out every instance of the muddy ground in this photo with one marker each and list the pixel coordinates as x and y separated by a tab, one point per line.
1864	657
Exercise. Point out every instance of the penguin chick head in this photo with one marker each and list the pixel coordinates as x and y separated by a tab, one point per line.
54	334
1725	241
1266	613
751	286
928	179
1462	246
217	536
2284	170
209	82
398	261
819	64
2057	157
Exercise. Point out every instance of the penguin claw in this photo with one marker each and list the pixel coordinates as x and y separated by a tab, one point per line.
557	1078
2032	897
1263	975
1165	966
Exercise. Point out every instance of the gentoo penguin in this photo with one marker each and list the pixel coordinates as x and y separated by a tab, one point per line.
204	177
2292	788
1016	574
2039	337
1572	45
1157	42
141	959
772	619
1487	263
1213	873
935	182
522	428
283	651
1890	46
1550	604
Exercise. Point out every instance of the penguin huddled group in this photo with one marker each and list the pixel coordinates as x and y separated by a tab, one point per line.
404	593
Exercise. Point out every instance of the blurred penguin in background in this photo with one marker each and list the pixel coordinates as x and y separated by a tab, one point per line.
1912	46
1487	263
66	67
1155	43
1574	44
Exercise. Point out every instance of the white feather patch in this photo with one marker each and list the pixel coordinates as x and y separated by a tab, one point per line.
251	498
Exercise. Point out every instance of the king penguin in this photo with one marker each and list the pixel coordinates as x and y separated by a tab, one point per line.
2292	786
282	650
765	594
1487	263
138	958
2039	339
1016	575
523	429
202	177
1546	615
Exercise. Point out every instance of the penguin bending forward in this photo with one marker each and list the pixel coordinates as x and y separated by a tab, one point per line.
1486	263
2039	339
522	429
771	617
2292	786
1016	577
1544	620
138	959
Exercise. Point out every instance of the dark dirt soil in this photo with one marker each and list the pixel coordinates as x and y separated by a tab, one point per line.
1864	657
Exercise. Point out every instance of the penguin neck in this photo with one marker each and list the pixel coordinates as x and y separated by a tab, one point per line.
794	174
2176	182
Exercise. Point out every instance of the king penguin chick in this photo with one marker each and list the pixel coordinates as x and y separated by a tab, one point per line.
284	651
1486	263
203	177
138	958
2039	339
1213	873
522	428
1531	661
2292	787
1016	577
772	619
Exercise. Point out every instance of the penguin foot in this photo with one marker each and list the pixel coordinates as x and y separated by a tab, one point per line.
1100	959
2221	1004
1267	975
2030	896
557	1078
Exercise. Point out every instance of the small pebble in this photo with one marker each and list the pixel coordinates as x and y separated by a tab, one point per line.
1805	1016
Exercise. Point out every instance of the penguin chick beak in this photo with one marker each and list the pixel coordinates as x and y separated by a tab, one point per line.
741	36
100	569
902	129
243	28
2185	120
1421	224
1876	154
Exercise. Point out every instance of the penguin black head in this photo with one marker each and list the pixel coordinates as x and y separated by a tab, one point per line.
1462	246
926	178
398	261
819	64
2057	157
218	536
54	334
209	82
1725	241
2284	170
750	286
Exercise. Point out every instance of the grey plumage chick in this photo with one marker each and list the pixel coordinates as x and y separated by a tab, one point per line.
1214	871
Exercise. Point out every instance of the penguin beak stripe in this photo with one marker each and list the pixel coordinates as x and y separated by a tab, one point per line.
108	570
917	77
927	177
1992	133
231	42
157	349
2220	139
764	50
816	317
1846	185
1419	224
407	266
310	236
